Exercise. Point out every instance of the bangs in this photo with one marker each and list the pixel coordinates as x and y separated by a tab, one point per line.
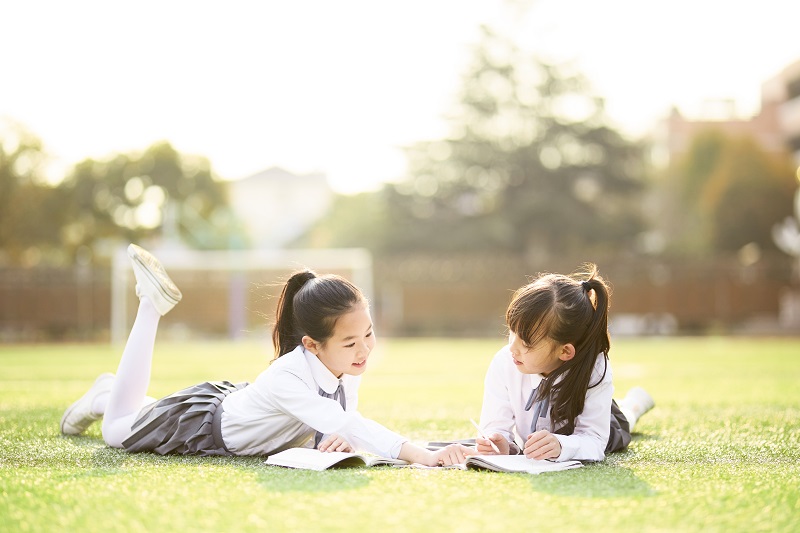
530	318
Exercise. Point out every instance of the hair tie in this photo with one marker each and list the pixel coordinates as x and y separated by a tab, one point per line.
586	286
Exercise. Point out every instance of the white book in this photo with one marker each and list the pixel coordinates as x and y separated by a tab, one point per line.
312	459
517	463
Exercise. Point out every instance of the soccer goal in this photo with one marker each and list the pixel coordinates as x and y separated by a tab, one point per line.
217	284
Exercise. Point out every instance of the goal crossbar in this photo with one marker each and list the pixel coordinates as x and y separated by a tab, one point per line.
356	260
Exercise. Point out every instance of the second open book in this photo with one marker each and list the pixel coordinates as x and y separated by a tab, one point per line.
311	459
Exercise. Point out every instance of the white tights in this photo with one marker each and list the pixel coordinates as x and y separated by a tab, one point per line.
129	390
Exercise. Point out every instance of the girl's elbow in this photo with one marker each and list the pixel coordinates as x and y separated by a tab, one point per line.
593	455
599	451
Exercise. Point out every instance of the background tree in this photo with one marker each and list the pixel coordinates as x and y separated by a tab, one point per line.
686	226
748	193
729	192
31	211
353	221
134	196
530	165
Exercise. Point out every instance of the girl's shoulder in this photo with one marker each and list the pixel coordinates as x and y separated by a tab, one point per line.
503	352
502	357
293	362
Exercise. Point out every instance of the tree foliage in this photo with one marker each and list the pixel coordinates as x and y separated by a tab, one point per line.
530	165
128	196
122	198
31	211
353	221
732	192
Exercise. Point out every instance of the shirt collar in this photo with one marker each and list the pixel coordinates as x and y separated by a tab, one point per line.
324	377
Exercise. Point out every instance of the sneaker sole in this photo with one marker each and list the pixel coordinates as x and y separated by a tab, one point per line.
73	406
66	415
136	253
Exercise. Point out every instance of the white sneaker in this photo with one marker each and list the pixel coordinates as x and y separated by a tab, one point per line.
79	416
152	280
638	401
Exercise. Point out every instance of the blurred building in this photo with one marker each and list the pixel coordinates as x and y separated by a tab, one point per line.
776	127
673	137
276	206
782	92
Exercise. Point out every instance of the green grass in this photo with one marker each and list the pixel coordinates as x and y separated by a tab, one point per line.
720	452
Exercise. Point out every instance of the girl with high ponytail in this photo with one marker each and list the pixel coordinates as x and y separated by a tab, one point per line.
317	309
307	397
551	385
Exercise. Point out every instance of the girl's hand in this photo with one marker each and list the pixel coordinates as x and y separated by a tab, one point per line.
542	445
334	443
484	448
451	454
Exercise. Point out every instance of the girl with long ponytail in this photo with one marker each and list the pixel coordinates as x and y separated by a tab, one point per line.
548	393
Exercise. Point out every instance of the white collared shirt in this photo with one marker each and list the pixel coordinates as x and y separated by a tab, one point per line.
506	391
283	409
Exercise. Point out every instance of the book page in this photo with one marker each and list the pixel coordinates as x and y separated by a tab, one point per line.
519	463
311	459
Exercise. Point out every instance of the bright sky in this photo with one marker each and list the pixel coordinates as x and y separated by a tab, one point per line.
341	86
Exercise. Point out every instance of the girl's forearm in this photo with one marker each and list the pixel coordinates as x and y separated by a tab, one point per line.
414	454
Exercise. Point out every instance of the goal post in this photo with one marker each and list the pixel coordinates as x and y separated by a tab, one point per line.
357	262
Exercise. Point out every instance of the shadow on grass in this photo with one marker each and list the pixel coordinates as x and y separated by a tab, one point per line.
599	480
111	461
593	481
644	436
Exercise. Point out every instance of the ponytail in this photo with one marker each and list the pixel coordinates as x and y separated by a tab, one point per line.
596	339
311	305
568	310
284	333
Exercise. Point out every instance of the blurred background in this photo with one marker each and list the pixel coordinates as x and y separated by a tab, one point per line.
438	153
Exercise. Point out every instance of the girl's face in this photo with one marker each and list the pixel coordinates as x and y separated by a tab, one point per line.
542	358
347	350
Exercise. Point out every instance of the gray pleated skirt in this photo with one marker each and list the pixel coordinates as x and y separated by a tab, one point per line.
620	435
182	423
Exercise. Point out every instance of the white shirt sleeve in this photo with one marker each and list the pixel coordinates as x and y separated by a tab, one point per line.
592	427
497	414
293	396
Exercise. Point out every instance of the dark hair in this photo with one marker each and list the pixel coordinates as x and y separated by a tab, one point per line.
311	305
567	310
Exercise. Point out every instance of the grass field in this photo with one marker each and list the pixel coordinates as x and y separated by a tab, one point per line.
720	452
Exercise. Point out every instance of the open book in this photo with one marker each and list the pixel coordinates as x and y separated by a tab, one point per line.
312	459
517	463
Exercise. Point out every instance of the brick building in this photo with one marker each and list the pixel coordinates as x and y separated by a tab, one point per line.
776	127
782	93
